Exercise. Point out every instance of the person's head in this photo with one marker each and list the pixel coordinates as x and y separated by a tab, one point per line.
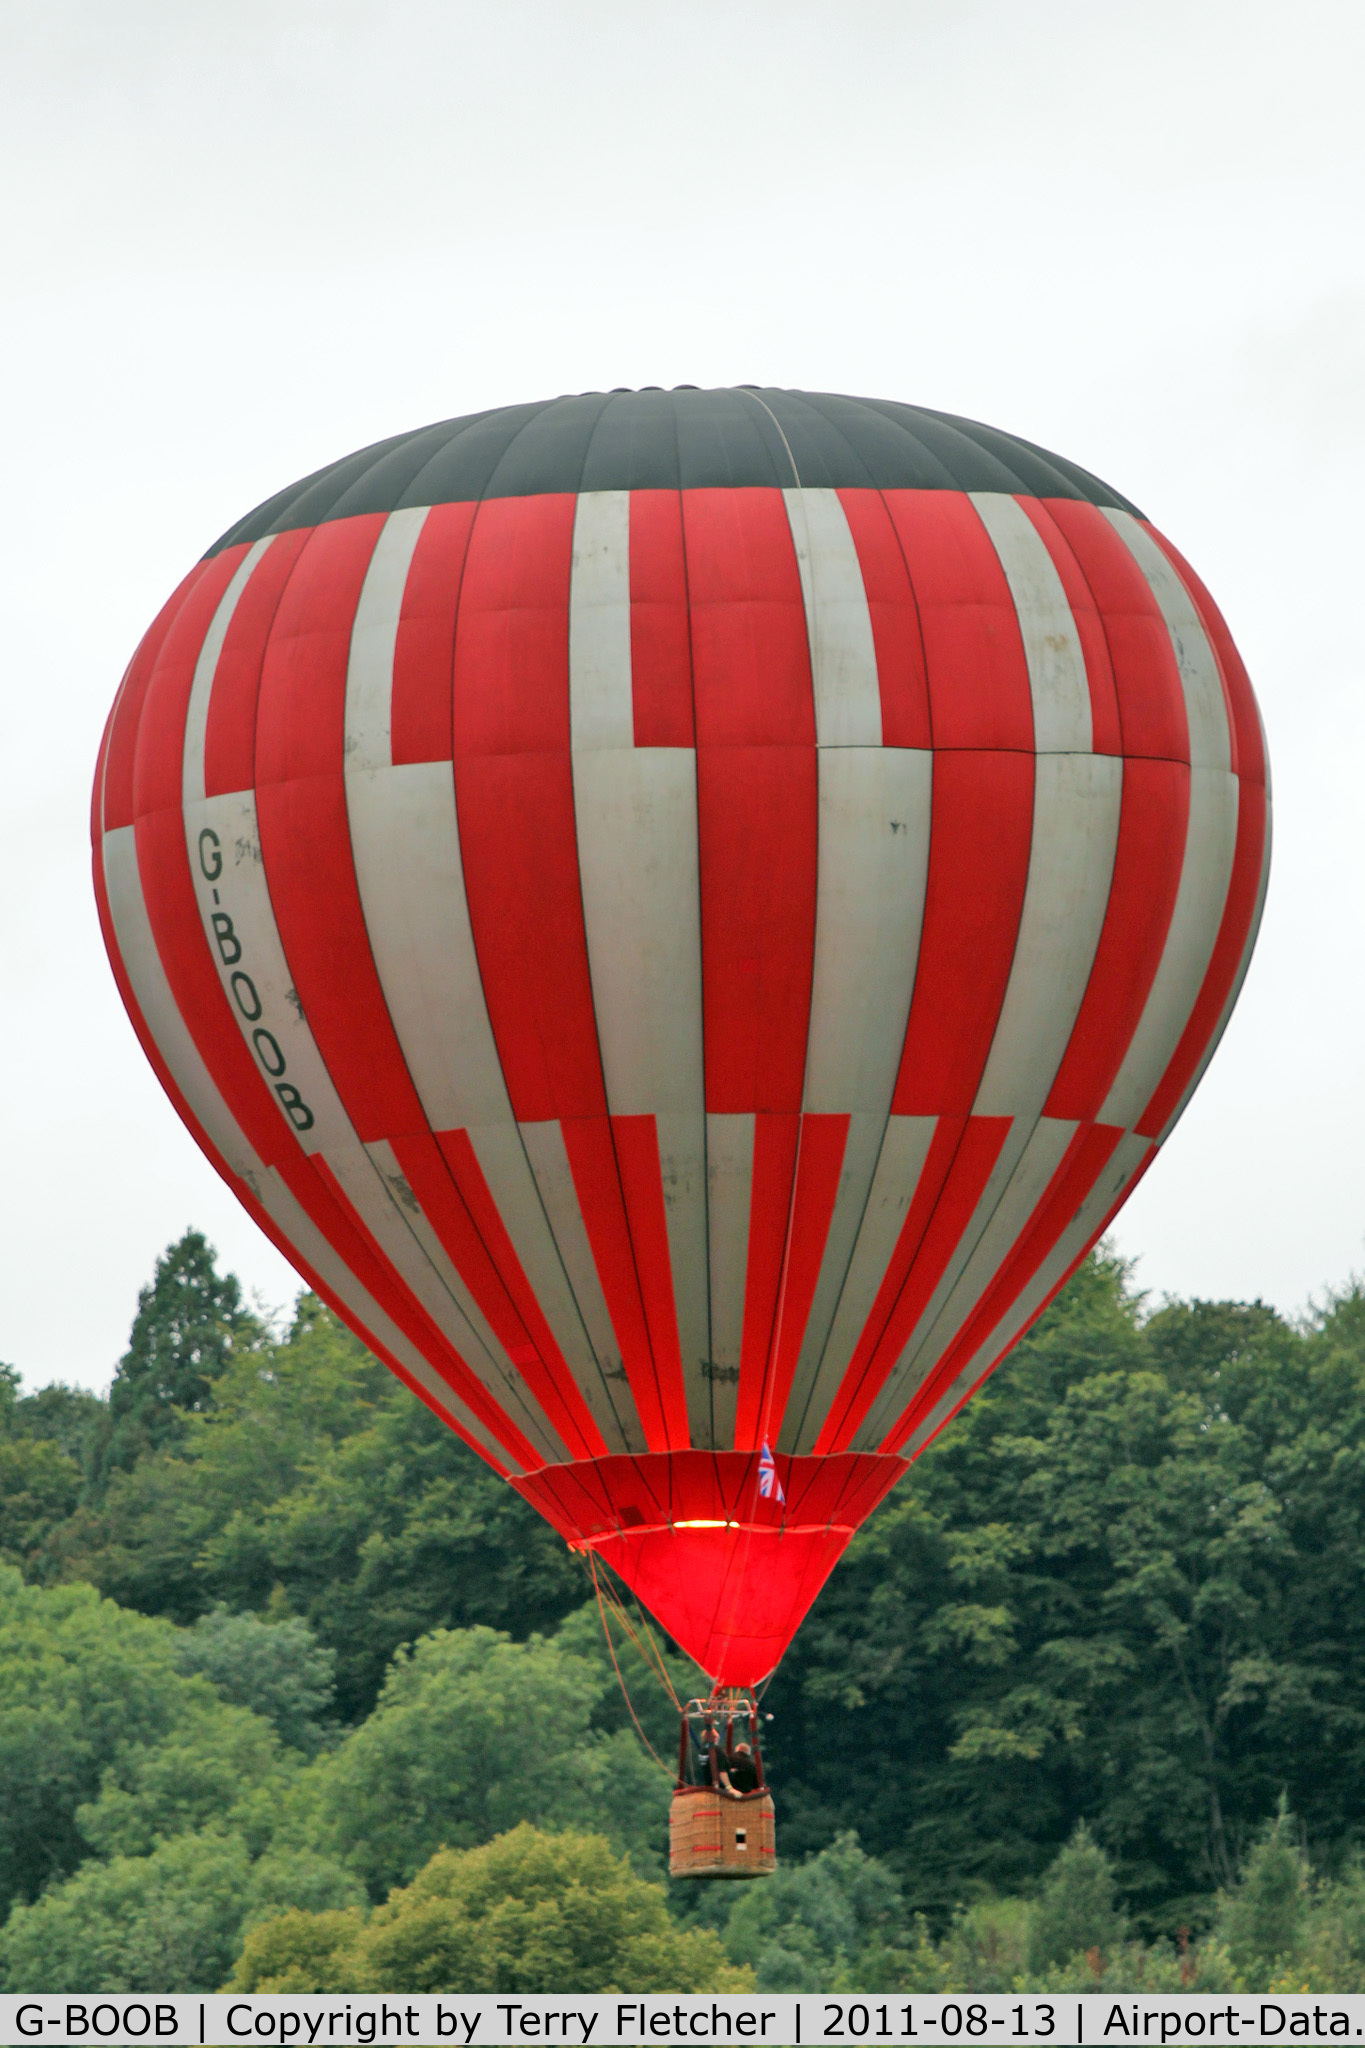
743	1749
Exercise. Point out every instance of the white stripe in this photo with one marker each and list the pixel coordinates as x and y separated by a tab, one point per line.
1001	1216
1236	989
374	636
501	1155
843	660
601	710
406	845
174	1042
873	863
904	1149
298	1229
856	1170
1206	708
1118	1172
729	1184
635	811
138	950
682	1165
1210	842
1062	721
376	1188
1076	804
549	1161
873	860
405	839
206	667
224	845
248	952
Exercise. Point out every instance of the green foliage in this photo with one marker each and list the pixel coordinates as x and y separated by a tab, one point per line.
276	1668
1122	1594
834	1922
165	1922
1262	1921
1076	1912
314	1484
1125	1587
83	1685
190	1321
170	1920
472	1734
528	1911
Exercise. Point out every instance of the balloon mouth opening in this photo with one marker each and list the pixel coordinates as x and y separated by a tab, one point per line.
777	1529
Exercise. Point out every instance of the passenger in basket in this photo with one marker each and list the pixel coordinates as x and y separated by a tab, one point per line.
739	1773
708	1756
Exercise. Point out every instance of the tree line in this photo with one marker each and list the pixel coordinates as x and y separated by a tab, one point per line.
286	1673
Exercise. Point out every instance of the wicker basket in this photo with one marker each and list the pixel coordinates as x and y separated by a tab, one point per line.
712	1835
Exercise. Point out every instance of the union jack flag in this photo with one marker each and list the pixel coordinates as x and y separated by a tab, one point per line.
769	1485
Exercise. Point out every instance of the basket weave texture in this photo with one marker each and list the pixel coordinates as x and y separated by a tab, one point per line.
711	1835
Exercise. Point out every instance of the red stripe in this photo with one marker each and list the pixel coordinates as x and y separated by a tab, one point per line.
467	1174
1043	1305
982	828
1228	953
441	1355
259	1215
592	1161
1080	1167
424	651
757	822
168	893
514	791
836	1428
1150	852
306	837
512	636
159	754
425	1170
750	652
1099	668
1151	697
819	1163
978	677
963	1187
230	734
896	634
660	628
306	848
641	1176
756	797
301	716
120	741
525	909
770	1199
1249	759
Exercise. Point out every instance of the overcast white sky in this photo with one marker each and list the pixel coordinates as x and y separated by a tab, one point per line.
242	237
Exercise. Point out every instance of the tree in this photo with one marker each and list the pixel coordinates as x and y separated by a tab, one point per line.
165	1922
314	1484
835	1921
1263	1919
170	1920
472	1734
190	1322
276	1668
528	1911
1076	1912
82	1683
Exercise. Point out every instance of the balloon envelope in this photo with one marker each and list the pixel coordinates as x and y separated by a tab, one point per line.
684	914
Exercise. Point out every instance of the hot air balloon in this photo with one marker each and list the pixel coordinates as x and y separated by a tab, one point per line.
684	914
